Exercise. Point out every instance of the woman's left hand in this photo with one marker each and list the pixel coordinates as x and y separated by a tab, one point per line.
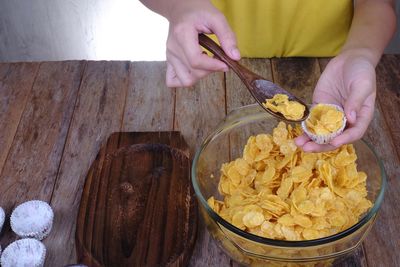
349	81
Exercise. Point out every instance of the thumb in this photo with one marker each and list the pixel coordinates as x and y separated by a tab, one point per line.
226	37
359	91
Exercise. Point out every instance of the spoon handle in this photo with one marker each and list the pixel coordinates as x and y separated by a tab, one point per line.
245	75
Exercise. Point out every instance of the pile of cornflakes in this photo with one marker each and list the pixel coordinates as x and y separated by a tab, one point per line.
324	119
278	191
291	110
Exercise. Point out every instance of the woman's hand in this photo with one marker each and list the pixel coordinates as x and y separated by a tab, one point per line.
186	62
348	81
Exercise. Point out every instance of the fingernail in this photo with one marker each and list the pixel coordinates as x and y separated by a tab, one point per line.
235	53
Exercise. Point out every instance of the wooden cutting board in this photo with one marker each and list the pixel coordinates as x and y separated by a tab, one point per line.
138	207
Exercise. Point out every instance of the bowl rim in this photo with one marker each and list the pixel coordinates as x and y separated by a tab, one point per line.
226	125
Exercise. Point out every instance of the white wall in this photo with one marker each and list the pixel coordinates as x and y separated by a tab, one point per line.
87	29
80	29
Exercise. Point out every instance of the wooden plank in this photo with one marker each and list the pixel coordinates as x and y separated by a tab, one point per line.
297	75
31	167
198	111
356	259
16	81
237	95
384	239
143	212
388	88
98	113
150	104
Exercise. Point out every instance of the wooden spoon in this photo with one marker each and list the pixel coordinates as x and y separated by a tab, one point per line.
260	88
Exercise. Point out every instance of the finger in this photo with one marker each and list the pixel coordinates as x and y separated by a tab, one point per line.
314	147
186	76
201	73
171	77
360	91
357	130
194	57
348	136
183	74
225	35
301	140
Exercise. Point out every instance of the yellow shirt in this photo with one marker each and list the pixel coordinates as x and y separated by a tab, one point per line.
285	28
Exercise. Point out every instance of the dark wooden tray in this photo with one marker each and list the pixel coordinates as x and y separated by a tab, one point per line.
138	207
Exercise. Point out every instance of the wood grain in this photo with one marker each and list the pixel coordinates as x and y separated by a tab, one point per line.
198	111
35	152
237	95
98	113
388	94
297	75
384	237
31	168
14	93
138	206
356	259
150	103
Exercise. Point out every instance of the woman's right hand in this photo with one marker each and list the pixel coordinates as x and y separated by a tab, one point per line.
186	62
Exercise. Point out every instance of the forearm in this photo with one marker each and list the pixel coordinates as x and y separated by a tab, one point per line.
373	25
161	7
166	7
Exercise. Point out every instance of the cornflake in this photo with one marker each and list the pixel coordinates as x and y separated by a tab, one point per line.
324	119
291	110
277	191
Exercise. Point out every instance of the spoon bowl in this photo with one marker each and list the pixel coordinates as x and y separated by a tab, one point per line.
260	88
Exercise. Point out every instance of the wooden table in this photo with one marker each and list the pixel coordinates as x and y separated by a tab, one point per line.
54	116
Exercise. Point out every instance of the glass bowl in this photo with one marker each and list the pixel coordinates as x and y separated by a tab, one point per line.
226	143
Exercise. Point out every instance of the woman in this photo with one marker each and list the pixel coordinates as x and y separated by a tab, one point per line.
268	28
